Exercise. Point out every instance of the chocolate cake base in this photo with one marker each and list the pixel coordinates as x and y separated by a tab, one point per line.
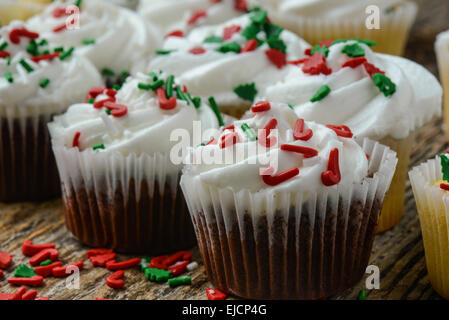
28	169
312	258
151	224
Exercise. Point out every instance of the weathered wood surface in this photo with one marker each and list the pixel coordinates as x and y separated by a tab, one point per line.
398	253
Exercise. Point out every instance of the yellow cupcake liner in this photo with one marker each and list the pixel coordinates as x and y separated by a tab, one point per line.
20	9
433	210
442	53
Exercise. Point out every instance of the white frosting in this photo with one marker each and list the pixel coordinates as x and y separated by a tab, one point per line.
131	4
122	38
355	100
216	74
243	172
169	15
145	129
70	79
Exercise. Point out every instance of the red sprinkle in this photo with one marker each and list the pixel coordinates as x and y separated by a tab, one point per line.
213	141
215	294
231	127
341	131
60	28
196	16
98	251
102	259
158	262
29	249
229	31
297	62
251	45
46	271
4	54
175	33
299	133
16	34
197	50
316	64
178	268
164	103
5	296
178	256
184	88
94	92
30	295
5	260
444	186
332	176
228	140
48	56
308	52
76	140
263	134
115	280
114	265
277	57
307	152
1	274
240	5
272	181
59	12
111	92
117	110
43	255
33	281
100	103
372	69
60	272
354	62
261	106
326	43
19	294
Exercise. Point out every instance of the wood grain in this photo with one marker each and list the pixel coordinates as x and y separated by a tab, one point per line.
399	253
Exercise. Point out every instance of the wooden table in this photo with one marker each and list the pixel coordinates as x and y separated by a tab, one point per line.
398	253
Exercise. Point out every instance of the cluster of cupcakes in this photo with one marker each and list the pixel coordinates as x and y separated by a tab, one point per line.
311	143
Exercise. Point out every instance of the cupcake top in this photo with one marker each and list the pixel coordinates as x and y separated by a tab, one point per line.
276	150
171	16
112	37
38	78
345	82
232	61
138	118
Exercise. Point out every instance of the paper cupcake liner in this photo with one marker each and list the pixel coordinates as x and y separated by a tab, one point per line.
393	208
433	210
442	53
129	203
289	245
236	112
391	38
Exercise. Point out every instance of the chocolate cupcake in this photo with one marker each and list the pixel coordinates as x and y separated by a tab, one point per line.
114	154
38	81
289	208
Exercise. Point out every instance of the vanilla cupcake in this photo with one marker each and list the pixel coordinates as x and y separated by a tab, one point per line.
315	20
442	53
430	183
115	39
233	61
288	209
180	16
19	9
37	81
115	156
380	97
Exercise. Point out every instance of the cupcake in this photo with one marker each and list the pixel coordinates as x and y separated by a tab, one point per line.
37	81
289	208
180	16
233	61
430	184
115	159
442	53
315	20
380	97
19	9
115	39
130	4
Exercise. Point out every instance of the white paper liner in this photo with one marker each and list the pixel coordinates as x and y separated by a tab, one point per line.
433	210
255	245
442	53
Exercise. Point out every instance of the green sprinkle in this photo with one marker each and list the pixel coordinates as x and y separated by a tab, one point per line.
24	271
251	31
277	43
43	42
66	54
59	49
124	74
196	102
108	112
144	263
44	83
362	295
8	60
45	263
153	75
246	91
157	275
180	95
163	52
321	93
169	86
385	85
116	87
353	50
259	17
215	109
229	47
272	30
321	50
98	146
107	72
290	106
179	281
26	65
151	86
3	45
249	132
45	52
91	100
213	39
78	3
88	41
445	167
8	76
32	48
